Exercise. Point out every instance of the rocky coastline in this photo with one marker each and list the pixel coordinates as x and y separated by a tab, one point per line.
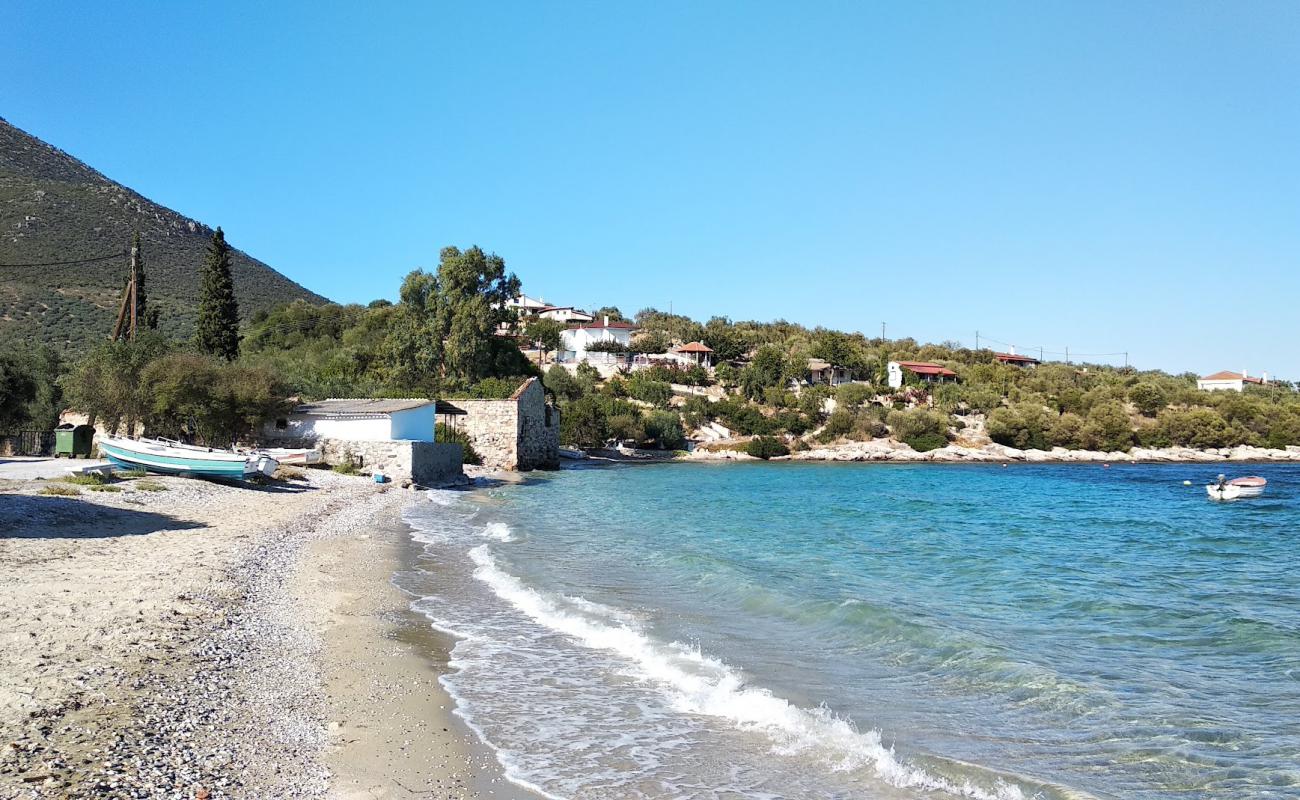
889	450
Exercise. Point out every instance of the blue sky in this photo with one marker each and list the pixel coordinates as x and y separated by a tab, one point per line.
1107	176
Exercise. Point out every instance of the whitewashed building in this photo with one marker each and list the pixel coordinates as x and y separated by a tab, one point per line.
565	315
576	342
923	371
358	420
1229	381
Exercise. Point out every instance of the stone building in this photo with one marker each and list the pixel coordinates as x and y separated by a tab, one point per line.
394	437
519	433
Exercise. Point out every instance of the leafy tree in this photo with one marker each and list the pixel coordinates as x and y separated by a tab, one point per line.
1107	428
768	368
217	333
1148	397
610	311
216	402
584	423
18	387
728	344
652	342
106	385
562	384
607	346
546	331
445	433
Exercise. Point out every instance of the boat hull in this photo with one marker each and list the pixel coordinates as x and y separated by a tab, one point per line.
168	460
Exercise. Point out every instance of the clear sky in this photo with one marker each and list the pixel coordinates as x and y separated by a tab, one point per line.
1108	176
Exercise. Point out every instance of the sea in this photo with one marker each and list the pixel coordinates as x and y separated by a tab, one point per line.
804	630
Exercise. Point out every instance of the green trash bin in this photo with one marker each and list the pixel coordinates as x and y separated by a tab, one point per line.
73	440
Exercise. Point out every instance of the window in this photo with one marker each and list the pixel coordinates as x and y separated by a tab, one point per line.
281	424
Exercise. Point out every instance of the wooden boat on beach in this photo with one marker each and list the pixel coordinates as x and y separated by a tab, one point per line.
175	458
1237	488
300	456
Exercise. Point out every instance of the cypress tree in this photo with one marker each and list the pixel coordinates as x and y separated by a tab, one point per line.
218	327
142	314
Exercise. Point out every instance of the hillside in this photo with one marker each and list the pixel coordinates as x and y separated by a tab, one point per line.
55	208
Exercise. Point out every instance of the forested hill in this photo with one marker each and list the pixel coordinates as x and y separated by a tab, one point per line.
54	208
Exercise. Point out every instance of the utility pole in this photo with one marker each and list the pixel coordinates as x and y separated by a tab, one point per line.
882	331
977	340
126	315
1067	354
1040	354
1125	360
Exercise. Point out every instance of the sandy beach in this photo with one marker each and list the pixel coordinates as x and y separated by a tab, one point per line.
213	641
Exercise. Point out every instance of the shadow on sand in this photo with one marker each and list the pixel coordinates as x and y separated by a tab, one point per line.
39	517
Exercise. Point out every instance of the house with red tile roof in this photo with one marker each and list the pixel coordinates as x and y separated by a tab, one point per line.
923	371
1226	381
1016	360
576	342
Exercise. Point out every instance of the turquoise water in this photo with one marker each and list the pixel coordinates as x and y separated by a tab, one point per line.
883	631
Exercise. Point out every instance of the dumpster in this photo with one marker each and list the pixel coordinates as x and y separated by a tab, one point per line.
73	440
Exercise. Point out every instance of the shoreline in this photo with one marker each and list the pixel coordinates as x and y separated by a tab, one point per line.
889	451
218	641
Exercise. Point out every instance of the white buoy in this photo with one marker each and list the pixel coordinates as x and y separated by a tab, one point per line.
1187	483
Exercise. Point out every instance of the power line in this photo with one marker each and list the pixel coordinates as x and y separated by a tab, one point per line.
67	263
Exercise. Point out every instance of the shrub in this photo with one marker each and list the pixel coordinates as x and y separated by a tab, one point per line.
105	487
150	486
1107	428
921	429
61	491
1023	426
584	423
346	468
1197	427
766	447
1066	431
1148	397
665	429
444	433
626	426
852	394
495	388
648	390
562	384
130	473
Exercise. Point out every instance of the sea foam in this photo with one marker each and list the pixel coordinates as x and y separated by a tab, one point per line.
695	683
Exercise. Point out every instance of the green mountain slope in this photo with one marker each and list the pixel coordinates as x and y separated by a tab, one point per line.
55	208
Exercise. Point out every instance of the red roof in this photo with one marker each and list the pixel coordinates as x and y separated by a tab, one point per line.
1004	357
1225	375
926	368
695	347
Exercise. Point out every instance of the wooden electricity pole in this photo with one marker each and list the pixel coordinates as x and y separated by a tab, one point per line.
126	317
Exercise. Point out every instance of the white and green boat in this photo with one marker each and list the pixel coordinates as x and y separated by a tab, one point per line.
175	458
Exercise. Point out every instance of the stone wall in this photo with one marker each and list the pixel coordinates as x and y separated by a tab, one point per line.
425	463
520	433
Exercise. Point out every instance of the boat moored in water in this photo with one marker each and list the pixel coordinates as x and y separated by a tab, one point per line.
1237	488
175	458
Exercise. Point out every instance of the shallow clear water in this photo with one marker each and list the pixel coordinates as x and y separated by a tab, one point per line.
891	631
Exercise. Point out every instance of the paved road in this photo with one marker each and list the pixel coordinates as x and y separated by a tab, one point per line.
26	468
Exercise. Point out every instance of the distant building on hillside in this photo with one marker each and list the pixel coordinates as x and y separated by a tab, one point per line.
1229	381
694	353
1016	360
576	342
921	370
565	315
526	306
824	372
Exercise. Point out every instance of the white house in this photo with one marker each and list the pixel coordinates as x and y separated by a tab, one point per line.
358	420
1229	381
820	371
922	370
526	306
575	343
565	315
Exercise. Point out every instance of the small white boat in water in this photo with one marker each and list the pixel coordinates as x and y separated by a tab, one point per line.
1237	488
175	458
572	453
